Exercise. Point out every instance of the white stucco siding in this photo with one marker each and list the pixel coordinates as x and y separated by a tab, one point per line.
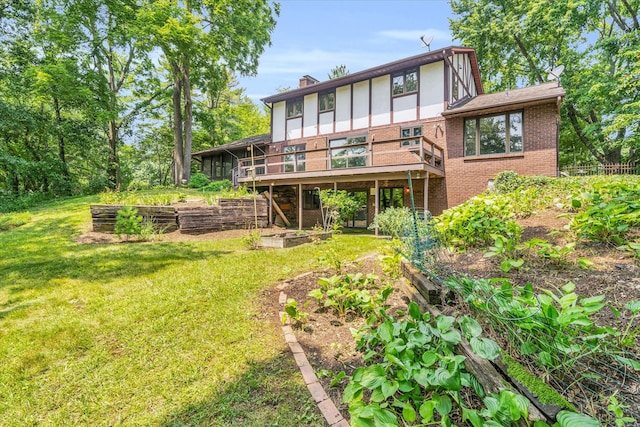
278	121
326	123
310	121
361	105
343	108
405	108
294	128
381	100
431	90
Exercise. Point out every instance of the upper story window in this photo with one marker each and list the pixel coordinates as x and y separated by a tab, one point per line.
294	108
410	136
294	158
349	152
326	101
404	82
496	134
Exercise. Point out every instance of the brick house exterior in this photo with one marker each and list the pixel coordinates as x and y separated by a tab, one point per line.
425	115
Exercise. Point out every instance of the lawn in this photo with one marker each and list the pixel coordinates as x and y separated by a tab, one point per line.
145	333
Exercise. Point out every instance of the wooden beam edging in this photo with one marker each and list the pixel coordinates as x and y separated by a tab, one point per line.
426	294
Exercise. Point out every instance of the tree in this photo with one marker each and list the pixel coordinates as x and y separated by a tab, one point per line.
338	71
200	35
597	42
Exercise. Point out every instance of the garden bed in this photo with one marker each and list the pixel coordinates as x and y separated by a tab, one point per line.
291	239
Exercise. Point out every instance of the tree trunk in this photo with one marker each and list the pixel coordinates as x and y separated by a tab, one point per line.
61	149
113	169
188	122
178	167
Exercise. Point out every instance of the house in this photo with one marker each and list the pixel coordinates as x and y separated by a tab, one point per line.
426	116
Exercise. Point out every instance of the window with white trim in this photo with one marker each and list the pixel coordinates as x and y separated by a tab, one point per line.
496	134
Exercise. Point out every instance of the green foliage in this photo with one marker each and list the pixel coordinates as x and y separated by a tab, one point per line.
294	313
351	293
199	180
219	186
252	240
395	222
608	212
473	223
413	375
128	222
338	206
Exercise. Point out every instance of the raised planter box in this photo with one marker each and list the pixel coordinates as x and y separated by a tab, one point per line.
288	240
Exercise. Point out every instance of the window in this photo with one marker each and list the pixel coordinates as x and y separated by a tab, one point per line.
408	133
405	82
294	158
391	198
326	101
493	134
294	108
348	152
310	199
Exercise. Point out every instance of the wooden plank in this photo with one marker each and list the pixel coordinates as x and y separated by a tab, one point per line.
277	209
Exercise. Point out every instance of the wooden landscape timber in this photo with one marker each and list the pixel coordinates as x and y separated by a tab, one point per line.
229	214
104	217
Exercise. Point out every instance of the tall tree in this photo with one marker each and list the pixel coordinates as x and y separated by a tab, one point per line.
338	71
198	35
596	40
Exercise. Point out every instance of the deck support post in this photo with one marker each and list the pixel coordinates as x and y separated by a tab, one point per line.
270	205
426	194
376	207
299	206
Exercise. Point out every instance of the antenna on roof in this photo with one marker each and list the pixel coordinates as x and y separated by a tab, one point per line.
427	42
554	73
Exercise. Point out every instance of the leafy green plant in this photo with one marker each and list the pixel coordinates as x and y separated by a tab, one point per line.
506	249
338	206
355	293
616	408
293	312
608	212
128	222
199	180
395	222
252	240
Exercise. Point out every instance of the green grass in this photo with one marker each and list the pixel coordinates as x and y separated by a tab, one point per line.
145	334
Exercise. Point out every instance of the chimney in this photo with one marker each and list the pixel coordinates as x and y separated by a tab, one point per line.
307	81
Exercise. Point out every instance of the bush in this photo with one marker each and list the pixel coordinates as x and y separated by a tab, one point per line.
395	222
199	180
217	186
128	222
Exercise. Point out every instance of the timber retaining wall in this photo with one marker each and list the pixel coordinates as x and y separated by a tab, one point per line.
229	214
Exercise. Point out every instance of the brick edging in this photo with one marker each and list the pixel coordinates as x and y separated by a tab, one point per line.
325	404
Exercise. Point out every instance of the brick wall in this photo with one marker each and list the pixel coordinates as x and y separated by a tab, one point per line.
467	177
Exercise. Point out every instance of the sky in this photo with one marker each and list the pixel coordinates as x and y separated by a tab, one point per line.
313	36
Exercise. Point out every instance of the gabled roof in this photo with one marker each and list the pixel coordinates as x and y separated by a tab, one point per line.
381	70
514	98
240	144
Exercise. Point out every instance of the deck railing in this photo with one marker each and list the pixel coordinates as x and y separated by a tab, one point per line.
415	150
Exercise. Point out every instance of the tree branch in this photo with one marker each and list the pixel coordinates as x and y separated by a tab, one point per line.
573	118
525	53
141	106
125	69
633	13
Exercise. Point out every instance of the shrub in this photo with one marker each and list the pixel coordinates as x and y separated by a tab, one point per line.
128	222
199	180
217	186
396	222
507	181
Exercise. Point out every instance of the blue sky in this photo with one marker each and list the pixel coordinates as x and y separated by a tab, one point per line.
314	36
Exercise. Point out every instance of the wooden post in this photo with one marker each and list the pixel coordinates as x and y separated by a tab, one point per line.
270	205
376	208
426	193
299	206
